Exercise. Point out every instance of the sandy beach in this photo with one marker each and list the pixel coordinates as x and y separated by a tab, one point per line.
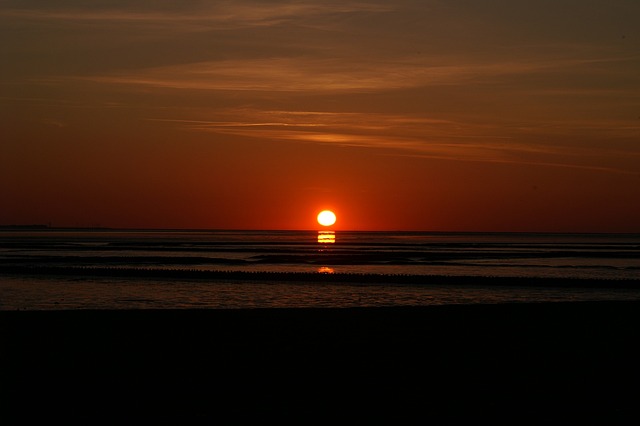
519	363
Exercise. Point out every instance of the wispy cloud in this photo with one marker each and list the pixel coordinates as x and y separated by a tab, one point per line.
468	149
327	74
222	14
416	136
322	68
359	58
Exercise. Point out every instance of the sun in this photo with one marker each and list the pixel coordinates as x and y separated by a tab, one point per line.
326	218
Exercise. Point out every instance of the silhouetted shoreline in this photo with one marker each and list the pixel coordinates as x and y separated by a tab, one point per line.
520	363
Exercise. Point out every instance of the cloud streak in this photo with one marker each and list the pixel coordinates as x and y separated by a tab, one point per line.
420	137
291	74
222	14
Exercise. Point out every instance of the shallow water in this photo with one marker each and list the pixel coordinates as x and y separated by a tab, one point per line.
38	293
575	256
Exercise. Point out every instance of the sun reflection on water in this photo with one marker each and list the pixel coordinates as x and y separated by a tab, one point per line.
326	237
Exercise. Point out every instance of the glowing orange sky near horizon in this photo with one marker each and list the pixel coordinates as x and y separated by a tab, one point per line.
437	116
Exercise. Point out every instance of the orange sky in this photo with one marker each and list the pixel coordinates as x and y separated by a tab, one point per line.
405	115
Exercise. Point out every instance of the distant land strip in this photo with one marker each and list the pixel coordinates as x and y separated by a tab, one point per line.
363	278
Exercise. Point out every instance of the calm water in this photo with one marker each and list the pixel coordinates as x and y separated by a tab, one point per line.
575	256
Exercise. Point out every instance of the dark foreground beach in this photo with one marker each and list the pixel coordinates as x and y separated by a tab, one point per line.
514	363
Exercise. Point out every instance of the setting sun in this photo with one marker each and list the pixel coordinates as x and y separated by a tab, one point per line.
326	218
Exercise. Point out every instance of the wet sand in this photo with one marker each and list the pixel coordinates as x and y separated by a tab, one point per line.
356	278
515	363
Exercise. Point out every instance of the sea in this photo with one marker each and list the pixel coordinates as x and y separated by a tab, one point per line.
61	268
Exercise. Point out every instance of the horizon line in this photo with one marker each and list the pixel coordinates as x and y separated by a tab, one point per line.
43	227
